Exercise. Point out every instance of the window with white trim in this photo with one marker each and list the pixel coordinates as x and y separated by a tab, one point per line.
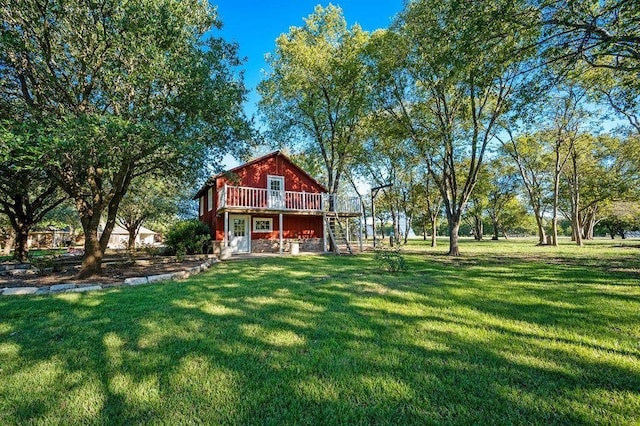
210	199
201	205
262	224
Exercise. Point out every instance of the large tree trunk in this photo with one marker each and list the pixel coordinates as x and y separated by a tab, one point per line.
589	223
131	244
454	227
407	226
394	226
577	229
478	227
93	253
20	250
496	231
542	235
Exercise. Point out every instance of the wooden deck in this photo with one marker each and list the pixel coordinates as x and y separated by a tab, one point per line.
259	200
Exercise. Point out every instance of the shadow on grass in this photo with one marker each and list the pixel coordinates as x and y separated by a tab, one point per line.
324	340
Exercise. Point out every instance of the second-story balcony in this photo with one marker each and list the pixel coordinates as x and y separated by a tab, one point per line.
240	198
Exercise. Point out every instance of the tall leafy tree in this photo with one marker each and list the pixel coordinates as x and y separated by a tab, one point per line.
120	89
533	162
315	91
449	71
566	119
478	203
502	195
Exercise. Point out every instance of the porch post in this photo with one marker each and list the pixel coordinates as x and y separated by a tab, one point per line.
280	228
226	229
324	233
348	236
373	218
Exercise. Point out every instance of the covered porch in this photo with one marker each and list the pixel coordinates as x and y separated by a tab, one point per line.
252	216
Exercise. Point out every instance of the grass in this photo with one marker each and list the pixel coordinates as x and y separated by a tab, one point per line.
509	333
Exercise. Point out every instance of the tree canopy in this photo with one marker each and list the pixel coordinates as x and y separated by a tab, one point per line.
117	90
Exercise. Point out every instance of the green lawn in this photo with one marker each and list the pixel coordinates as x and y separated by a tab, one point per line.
508	333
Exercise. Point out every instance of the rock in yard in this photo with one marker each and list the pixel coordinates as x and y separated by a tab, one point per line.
19	290
83	289
136	280
61	287
161	277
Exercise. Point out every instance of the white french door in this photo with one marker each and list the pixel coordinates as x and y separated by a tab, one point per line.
275	192
239	234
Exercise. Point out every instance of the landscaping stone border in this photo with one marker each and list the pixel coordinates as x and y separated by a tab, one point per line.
82	288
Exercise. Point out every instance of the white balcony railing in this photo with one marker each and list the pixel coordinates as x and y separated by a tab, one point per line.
264	199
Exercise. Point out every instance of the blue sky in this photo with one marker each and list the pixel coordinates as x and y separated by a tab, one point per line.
255	25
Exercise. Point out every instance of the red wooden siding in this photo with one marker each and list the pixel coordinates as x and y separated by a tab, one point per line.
209	217
254	175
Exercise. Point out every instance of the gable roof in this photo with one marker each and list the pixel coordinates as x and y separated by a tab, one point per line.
211	180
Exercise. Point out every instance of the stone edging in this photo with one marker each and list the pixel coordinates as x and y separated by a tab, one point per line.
82	288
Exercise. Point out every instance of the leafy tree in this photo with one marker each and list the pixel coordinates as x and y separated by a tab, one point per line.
315	92
603	38
533	162
567	117
432	207
620	91
118	90
514	218
502	204
448	72
26	192
622	217
149	199
478	203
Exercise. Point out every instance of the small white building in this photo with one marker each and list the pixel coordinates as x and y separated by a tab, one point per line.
120	238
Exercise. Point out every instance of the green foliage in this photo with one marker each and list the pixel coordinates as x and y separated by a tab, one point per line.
316	91
621	217
602	33
117	90
390	259
445	75
150	199
187	237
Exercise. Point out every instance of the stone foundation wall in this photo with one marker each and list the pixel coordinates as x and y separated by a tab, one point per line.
273	245
311	244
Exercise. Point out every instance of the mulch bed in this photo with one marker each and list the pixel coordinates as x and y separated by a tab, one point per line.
113	273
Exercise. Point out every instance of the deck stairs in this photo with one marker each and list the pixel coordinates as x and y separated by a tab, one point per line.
338	234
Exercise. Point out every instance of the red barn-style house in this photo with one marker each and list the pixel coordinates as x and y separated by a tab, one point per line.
269	203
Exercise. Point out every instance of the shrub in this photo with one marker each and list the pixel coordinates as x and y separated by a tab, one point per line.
390	259
187	237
